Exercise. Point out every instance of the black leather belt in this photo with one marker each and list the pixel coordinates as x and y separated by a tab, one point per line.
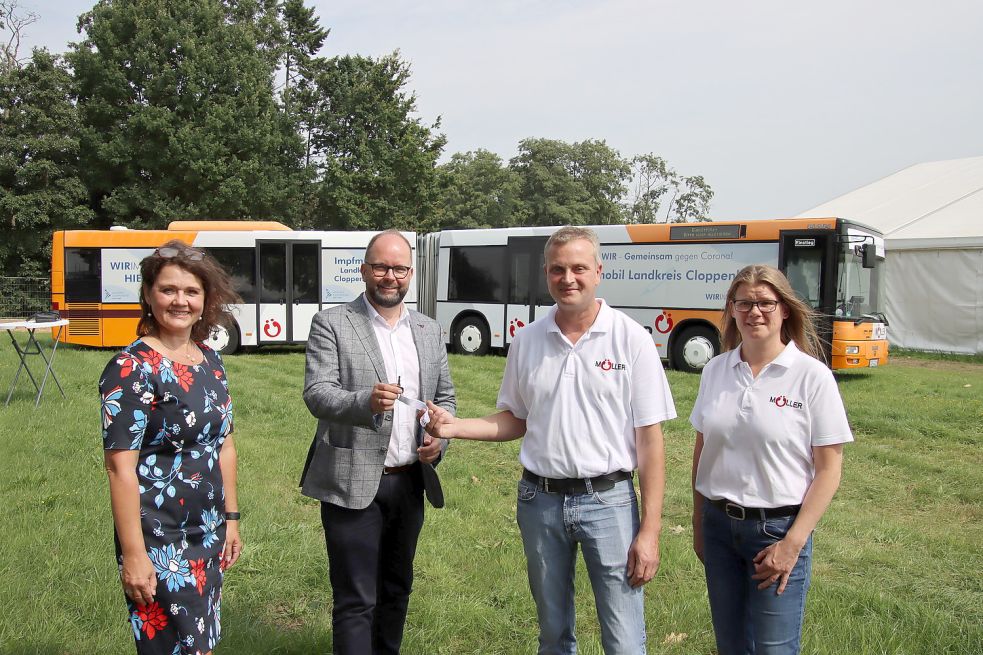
389	470
575	485
735	511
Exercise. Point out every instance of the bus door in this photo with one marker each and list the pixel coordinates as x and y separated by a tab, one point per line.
288	278
808	259
528	297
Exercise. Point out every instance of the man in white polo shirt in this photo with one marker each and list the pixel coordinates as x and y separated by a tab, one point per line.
586	387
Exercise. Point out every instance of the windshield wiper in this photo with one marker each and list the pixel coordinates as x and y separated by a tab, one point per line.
876	317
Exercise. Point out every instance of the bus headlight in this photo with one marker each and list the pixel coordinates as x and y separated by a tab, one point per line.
853	350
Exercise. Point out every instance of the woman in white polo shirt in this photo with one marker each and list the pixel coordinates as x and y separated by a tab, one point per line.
770	428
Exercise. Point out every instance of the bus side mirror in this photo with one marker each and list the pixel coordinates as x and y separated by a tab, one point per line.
869	255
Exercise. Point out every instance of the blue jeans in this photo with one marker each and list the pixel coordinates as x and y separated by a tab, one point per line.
747	621
603	524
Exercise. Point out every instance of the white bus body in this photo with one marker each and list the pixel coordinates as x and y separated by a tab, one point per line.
672	279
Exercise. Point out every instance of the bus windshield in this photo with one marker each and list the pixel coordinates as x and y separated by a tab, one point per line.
857	288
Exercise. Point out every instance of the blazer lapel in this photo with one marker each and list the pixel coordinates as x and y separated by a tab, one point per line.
428	380
358	315
424	357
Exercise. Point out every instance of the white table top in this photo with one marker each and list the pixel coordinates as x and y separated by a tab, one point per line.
32	325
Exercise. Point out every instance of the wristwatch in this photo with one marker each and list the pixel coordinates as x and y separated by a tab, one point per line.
232	516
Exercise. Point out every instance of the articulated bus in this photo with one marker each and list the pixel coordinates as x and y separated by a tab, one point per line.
672	279
483	285
283	276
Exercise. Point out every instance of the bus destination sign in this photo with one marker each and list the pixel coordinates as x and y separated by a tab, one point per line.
697	231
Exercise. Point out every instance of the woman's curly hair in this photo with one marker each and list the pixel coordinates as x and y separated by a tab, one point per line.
219	293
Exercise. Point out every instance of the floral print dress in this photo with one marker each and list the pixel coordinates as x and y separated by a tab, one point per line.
177	416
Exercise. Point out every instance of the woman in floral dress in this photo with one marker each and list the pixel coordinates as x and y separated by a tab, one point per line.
171	460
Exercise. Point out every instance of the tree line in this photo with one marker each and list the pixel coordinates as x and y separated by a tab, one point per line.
224	109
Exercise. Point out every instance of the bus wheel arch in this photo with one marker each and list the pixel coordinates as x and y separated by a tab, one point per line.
224	339
471	335
693	345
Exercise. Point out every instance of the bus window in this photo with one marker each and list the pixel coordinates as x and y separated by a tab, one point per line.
804	267
240	265
519	286
855	285
522	284
273	273
477	274
83	275
306	273
543	297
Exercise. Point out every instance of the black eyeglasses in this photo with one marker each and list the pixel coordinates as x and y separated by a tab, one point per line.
765	306
380	270
170	252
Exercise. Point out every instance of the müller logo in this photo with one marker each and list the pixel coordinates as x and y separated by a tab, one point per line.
782	401
608	365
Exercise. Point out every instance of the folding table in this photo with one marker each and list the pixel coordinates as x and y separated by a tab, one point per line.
32	347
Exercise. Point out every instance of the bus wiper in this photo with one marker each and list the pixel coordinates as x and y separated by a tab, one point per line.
876	317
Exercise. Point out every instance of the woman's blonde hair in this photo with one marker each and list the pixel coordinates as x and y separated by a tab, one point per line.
800	325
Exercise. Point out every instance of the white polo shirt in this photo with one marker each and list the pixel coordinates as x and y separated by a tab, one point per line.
758	433
582	402
403	365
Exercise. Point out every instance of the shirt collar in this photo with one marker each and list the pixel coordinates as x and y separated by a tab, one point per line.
374	315
787	356
602	322
784	359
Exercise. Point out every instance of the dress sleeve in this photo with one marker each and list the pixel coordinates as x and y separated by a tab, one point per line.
127	395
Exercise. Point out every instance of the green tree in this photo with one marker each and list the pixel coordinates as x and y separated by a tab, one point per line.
478	191
40	189
651	180
179	118
692	201
13	20
302	38
375	160
603	173
570	184
654	181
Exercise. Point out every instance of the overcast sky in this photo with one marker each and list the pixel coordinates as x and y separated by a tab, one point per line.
780	105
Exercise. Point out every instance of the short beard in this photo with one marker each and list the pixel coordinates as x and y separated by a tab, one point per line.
388	301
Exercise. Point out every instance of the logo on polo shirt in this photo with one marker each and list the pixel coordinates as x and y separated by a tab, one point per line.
608	365
782	401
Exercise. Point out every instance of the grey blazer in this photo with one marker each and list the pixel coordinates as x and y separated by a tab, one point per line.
345	461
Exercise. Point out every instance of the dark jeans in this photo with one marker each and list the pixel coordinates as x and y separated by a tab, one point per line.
747	621
370	562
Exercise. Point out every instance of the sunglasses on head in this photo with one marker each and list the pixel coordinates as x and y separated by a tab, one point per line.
170	252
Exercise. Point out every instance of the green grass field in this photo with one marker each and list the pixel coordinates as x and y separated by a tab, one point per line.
899	562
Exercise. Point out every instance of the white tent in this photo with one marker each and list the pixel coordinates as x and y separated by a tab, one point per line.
931	215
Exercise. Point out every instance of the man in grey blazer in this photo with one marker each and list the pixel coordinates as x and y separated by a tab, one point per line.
370	459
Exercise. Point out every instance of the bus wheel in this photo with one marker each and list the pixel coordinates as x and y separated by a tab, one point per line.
471	336
223	340
694	348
